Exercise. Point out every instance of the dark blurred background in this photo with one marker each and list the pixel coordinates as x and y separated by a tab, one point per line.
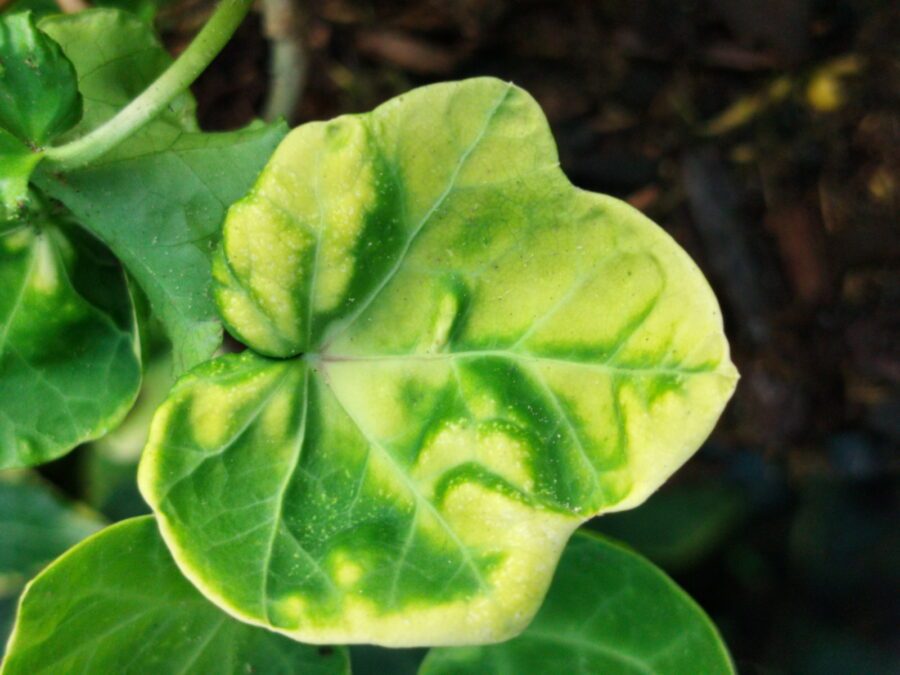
765	137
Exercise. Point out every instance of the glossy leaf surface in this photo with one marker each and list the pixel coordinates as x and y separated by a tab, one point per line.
490	356
159	198
35	527
608	611
117	604
39	96
69	357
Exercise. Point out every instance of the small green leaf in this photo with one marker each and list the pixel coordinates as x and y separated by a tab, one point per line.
69	357
38	91
17	161
486	357
608	611
35	527
117	604
159	198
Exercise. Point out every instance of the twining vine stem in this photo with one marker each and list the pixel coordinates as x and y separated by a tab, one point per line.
153	100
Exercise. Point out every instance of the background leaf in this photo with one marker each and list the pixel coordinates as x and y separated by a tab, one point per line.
39	96
35	527
117	603
608	611
490	357
158	199
69	356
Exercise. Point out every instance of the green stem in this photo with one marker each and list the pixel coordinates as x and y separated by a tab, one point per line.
287	70
177	77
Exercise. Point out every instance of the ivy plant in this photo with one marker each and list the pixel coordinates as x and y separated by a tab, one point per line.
452	358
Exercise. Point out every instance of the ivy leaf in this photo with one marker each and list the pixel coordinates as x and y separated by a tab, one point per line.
35	527
38	91
17	161
69	356
608	611
159	198
482	357
123	582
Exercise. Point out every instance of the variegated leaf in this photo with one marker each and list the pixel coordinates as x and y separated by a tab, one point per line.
474	357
